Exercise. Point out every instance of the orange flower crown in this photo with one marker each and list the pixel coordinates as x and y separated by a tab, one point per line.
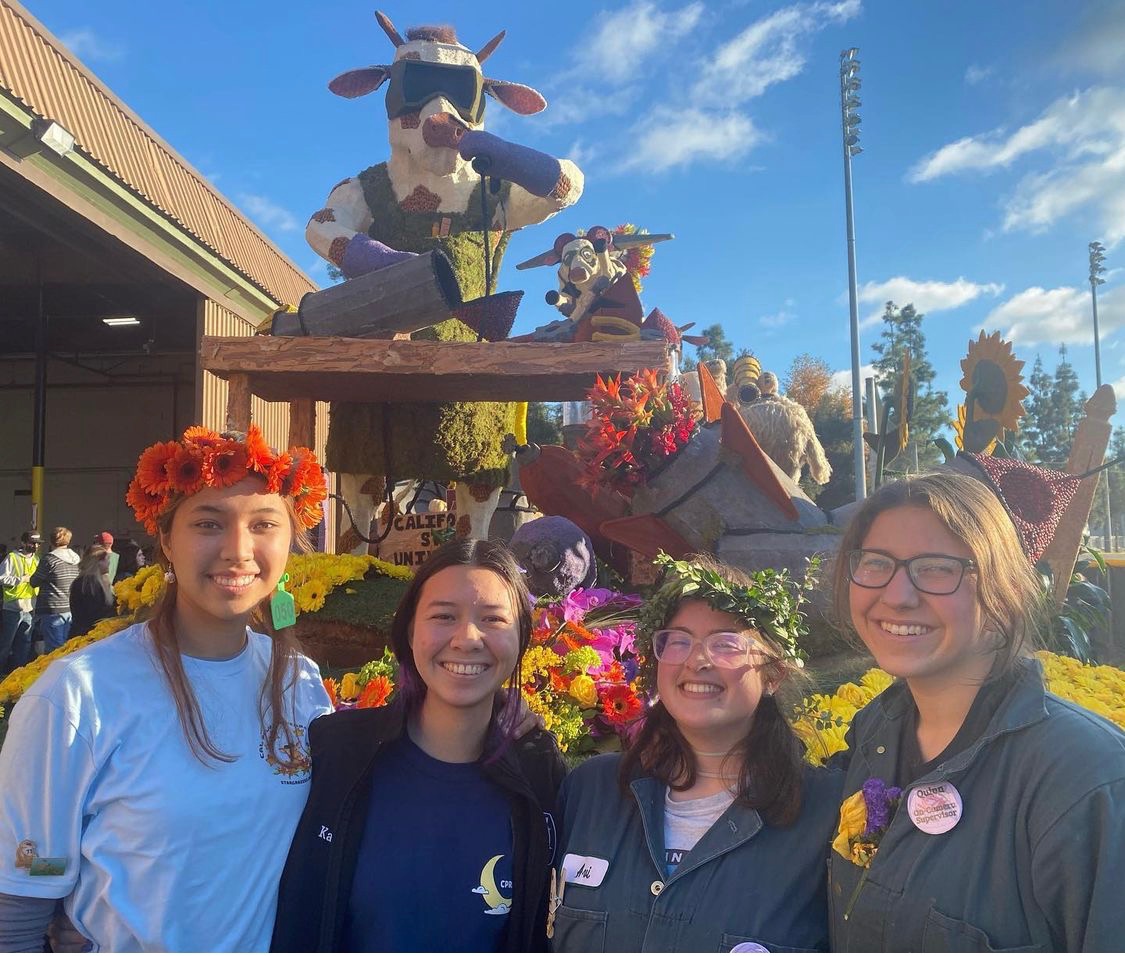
170	471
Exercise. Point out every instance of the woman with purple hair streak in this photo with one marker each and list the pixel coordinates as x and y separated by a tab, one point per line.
429	826
986	814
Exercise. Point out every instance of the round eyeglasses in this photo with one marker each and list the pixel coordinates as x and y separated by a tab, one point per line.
929	573
723	648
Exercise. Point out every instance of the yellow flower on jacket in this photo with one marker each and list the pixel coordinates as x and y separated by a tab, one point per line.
853	824
584	690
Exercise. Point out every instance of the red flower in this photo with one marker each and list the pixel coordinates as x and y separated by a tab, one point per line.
615	672
146	505
375	692
620	705
225	464
151	466
185	470
279	473
259	457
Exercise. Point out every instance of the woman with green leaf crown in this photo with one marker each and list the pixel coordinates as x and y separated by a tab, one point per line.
709	832
985	813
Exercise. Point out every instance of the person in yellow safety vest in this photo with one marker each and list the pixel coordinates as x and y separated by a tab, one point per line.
19	599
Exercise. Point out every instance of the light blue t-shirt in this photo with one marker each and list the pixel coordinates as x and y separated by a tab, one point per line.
154	850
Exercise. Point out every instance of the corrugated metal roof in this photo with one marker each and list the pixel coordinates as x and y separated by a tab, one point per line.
47	78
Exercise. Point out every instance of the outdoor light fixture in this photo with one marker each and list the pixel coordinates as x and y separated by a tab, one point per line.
116	320
849	102
1097	268
53	135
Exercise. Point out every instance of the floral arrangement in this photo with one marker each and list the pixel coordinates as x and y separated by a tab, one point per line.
635	426
312	577
863	821
373	686
169	471
580	671
822	720
638	259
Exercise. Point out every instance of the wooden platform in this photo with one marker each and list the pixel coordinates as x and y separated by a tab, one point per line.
303	370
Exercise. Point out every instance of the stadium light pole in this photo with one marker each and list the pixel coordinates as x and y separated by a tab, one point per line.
849	120
1097	268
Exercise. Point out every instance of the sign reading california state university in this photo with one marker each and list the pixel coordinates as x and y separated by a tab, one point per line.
414	536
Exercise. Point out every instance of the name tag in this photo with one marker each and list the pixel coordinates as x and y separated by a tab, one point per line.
584	870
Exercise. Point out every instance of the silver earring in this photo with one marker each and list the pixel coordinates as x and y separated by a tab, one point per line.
169	576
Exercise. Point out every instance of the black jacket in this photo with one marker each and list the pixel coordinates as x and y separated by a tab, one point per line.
316	884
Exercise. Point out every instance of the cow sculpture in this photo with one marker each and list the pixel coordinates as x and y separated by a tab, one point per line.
431	194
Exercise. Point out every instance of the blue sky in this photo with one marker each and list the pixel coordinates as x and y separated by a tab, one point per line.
993	137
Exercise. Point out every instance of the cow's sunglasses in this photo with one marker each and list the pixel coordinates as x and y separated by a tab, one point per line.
415	82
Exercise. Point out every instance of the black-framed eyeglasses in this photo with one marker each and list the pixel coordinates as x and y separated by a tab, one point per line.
929	573
724	649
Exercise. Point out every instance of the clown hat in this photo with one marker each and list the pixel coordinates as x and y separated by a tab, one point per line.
1035	498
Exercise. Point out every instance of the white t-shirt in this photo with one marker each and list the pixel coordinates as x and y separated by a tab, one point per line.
685	822
157	851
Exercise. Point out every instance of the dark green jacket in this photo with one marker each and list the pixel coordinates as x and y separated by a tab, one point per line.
743	882
1036	861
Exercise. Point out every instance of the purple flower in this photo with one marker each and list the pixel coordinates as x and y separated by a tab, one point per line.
630	665
580	601
880	800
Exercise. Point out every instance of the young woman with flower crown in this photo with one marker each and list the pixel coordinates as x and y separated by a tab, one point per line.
986	814
152	781
429	826
709	833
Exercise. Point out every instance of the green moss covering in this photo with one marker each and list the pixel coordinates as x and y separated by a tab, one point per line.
372	605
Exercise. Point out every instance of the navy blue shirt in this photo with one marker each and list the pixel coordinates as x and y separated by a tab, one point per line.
435	864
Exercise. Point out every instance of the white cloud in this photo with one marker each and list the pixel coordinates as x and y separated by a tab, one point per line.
669	139
977	74
87	45
267	213
776	320
623	42
843	378
1098	44
927	295
770	50
1084	137
1061	316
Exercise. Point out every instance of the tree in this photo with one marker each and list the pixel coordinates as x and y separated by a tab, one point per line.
1115	474
719	346
832	421
1038	406
544	423
807	381
902	332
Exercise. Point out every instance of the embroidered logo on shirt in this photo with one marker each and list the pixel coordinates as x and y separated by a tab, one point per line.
498	904
289	758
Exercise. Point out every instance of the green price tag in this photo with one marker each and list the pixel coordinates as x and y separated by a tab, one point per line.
283	609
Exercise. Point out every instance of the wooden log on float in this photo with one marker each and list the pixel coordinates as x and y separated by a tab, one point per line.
410	295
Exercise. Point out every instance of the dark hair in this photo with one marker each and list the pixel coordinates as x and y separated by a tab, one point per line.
771	779
1008	591
465	553
280	678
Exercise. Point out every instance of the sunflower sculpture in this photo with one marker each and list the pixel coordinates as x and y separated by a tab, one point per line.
994	394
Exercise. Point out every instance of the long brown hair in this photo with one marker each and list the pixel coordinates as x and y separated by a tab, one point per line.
1008	592
771	779
281	676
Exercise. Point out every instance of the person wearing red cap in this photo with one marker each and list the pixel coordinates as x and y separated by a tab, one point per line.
152	781
985	813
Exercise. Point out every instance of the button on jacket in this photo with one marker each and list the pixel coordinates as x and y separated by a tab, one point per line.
744	881
1036	861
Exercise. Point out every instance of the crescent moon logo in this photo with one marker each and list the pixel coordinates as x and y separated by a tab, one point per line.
496	902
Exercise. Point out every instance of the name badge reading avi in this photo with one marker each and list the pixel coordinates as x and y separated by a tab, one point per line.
584	870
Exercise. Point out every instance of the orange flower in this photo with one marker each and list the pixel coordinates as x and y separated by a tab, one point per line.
151	471
225	464
375	692
278	473
333	690
259	457
185	470
199	435
620	705
559	682
146	506
615	672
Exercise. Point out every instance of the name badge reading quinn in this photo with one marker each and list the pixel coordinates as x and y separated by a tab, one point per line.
934	807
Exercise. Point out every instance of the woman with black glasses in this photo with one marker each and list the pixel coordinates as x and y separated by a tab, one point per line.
709	833
985	814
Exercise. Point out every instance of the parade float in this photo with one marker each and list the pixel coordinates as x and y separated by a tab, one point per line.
412	352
